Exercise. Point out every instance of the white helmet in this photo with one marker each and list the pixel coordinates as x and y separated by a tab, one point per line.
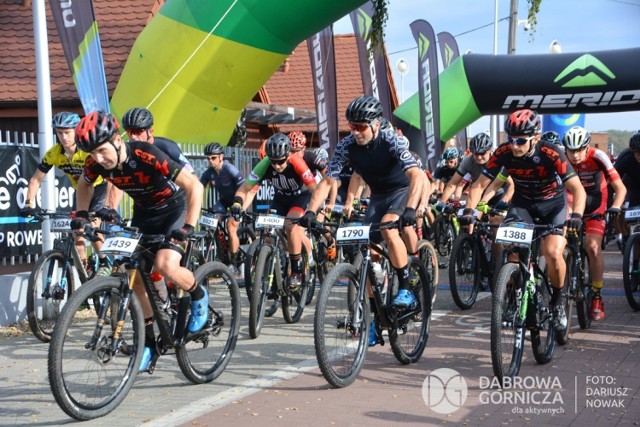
576	138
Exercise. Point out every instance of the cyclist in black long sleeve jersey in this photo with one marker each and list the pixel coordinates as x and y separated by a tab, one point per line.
541	173
382	159
166	198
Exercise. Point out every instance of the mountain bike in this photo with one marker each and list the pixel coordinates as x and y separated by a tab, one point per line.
344	310
54	276
521	300
631	257
445	229
92	367
270	278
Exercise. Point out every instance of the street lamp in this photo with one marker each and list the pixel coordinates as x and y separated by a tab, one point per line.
403	68
555	47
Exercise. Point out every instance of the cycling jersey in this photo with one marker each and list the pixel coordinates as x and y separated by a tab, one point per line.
443	173
538	176
594	172
629	169
314	162
469	169
345	178
147	176
72	167
226	182
291	182
173	150
382	163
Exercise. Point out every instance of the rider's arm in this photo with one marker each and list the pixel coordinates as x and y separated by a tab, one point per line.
320	193
620	193
451	187
415	186
574	186
476	190
114	196
355	189
84	194
34	186
194	192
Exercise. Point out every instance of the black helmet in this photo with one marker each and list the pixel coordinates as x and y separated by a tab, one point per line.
480	143
137	118
278	146
213	149
522	122
634	141
364	109
552	137
65	120
95	129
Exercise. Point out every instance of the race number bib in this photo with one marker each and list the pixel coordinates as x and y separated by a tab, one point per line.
515	233
209	221
632	215
60	225
269	221
353	234
120	245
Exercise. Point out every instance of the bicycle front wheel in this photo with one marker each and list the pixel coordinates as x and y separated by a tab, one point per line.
294	300
260	290
585	293
631	271
89	375
507	331
49	287
462	272
409	338
341	326
428	256
206	354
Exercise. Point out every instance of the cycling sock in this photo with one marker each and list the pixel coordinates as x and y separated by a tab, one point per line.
296	263
403	277
196	292
556	296
149	334
597	287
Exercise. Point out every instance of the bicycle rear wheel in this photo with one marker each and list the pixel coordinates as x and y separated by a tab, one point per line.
631	271
341	327
507	332
206	354
568	294
294	300
87	377
47	294
409	338
463	268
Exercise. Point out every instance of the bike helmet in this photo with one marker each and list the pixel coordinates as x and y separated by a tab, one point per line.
278	146
213	149
576	138
95	129
634	141
298	140
321	154
65	120
450	154
552	137
480	143
364	109
522	122
137	119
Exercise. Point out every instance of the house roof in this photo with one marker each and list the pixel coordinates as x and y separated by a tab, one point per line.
118	30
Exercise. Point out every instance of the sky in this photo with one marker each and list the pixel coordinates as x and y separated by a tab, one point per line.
578	25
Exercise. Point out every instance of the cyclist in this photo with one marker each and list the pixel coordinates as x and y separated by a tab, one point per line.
138	123
382	159
595	171
292	181
167	200
66	157
443	174
540	172
553	138
226	179
628	166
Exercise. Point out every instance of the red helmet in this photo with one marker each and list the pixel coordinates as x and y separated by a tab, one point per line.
522	122
95	129
298	140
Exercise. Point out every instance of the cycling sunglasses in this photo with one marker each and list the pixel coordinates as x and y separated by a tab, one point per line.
520	141
279	162
360	127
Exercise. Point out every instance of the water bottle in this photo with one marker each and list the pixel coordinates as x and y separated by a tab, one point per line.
380	275
161	287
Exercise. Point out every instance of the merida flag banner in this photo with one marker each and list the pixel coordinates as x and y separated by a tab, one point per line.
323	67
373	67
448	53
428	90
78	32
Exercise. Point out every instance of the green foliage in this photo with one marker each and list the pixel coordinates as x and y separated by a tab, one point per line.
619	139
378	22
532	14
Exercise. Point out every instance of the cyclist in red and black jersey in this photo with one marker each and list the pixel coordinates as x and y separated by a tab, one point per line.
382	159
595	171
541	173
292	180
167	200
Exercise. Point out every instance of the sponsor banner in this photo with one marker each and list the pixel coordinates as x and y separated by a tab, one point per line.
429	98
449	52
373	67
561	123
19	236
78	32
323	64
265	194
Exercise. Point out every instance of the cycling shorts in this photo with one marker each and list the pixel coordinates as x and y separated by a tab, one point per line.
382	204
285	204
552	212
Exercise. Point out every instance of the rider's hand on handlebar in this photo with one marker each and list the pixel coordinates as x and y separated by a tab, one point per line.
467	217
307	219
27	212
182	234
574	222
80	221
408	217
613	212
108	215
